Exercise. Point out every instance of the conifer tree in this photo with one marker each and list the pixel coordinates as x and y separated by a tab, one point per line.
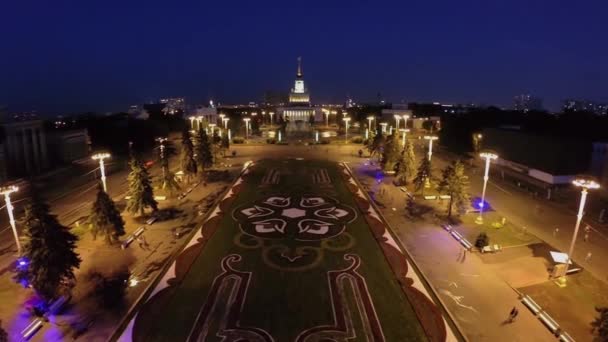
375	145
390	154
167	180
188	163
140	189
204	155
225	144
105	218
423	175
49	255
455	184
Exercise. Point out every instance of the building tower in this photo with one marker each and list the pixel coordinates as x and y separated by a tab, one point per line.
299	94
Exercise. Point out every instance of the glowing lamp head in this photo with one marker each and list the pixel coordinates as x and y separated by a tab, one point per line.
488	155
371	117
404	130
479	136
346	119
99	156
431	137
8	189
586	183
405	117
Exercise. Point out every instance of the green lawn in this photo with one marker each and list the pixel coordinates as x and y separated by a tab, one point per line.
507	235
278	283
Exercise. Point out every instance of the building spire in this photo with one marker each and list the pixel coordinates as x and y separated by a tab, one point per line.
299	74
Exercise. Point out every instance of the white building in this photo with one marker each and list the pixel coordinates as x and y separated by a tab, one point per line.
299	109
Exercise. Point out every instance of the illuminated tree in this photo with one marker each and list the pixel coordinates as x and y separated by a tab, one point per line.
204	154
49	257
188	163
423	175
105	218
390	154
455	184
376	143
140	189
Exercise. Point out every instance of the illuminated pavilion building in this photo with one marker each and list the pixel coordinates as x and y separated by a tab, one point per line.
299	113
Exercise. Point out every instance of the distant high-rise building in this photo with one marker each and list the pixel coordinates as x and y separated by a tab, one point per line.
575	105
527	102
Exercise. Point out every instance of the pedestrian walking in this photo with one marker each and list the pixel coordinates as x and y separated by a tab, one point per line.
586	236
555	232
140	242
524	229
588	257
514	314
464	254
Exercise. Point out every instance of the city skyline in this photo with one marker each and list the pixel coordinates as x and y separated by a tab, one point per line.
83	57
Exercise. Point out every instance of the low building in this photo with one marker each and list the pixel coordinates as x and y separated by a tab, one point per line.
69	145
209	114
25	148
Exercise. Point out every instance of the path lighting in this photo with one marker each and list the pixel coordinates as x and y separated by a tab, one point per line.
586	184
383	124
101	157
405	117
246	127
7	191
430	138
225	122
403	133
397	119
192	118
488	156
346	121
271	114
199	119
369	121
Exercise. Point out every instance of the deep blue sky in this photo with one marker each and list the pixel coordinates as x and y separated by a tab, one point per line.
65	56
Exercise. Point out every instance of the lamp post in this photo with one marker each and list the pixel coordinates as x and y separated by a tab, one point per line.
326	112
403	132
7	191
346	121
212	128
101	157
397	119
383	124
430	138
161	146
246	128
271	114
405	117
222	116
225	122
192	118
199	119
585	184
369	122
488	156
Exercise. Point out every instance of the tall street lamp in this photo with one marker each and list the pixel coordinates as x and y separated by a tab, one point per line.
585	184
397	119
326	112
369	122
383	124
161	146
346	121
246	127
199	120
405	117
7	191
225	122
430	138
403	131
488	156
102	169
192	118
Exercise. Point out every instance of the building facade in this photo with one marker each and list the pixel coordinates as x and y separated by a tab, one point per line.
25	148
527	102
299	113
68	146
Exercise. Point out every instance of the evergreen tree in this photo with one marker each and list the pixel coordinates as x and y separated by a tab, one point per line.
140	189
225	144
49	252
376	143
167	181
455	184
188	163
105	218
390	154
204	155
423	175
600	325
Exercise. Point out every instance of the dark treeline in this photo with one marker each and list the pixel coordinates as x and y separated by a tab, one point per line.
457	129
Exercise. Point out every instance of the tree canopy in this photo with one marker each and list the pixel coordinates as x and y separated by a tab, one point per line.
600	325
390	154
187	161
455	184
140	189
49	257
105	218
423	175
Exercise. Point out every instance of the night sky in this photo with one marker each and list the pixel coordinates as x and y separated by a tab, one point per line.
72	56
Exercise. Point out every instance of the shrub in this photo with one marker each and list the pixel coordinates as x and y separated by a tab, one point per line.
271	141
482	240
324	141
238	140
357	140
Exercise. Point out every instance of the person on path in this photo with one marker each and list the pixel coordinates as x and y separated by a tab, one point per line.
514	314
588	257
555	232
586	236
